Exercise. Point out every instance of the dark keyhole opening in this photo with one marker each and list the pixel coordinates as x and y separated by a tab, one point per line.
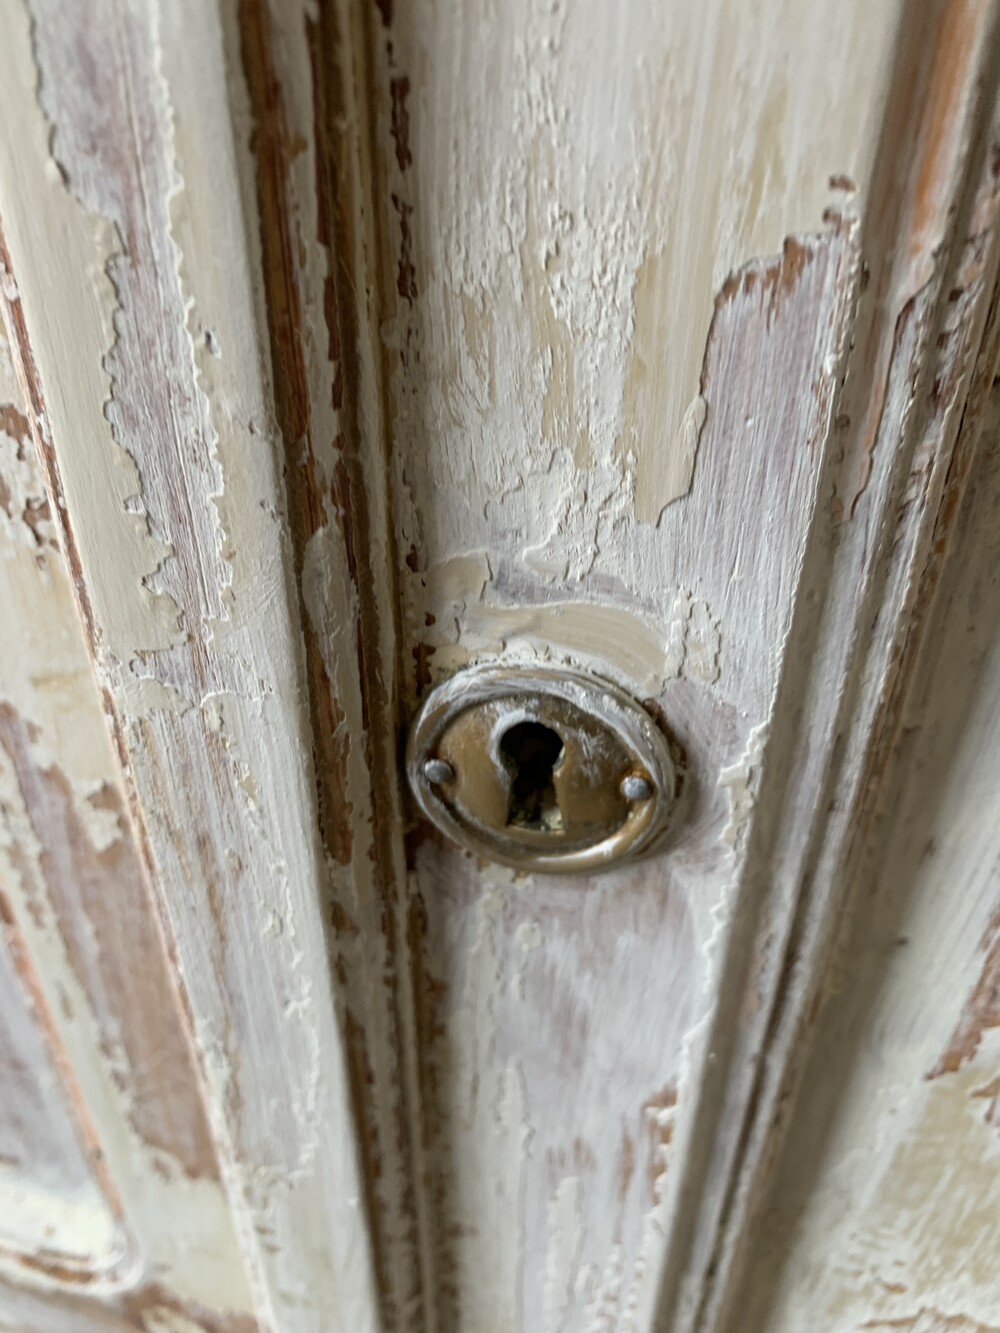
532	752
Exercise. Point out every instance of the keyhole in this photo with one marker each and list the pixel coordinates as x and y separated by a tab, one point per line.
532	752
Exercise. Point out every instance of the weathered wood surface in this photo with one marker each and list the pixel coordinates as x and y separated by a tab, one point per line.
573	478
109	1177
110	1171
531	257
881	1215
149	399
390	338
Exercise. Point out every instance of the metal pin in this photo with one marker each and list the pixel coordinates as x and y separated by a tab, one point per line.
438	770
636	787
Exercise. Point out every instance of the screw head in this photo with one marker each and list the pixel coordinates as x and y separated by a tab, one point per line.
636	787
438	770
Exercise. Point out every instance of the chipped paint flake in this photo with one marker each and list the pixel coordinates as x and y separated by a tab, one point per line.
741	782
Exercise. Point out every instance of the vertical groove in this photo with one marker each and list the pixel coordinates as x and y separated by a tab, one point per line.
357	498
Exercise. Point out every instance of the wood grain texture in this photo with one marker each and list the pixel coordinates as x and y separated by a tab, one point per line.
393	338
570	484
109	1184
531	518
897	1111
519	538
308	100
875	603
51	1198
538	1197
150	403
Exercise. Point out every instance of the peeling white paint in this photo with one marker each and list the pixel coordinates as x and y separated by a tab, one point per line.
172	476
741	782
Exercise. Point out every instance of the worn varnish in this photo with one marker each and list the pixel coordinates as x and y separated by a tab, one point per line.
358	342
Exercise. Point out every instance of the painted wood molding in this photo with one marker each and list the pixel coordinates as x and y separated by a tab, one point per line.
361	342
150	399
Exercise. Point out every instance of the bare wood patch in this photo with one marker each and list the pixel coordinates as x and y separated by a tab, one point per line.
100	900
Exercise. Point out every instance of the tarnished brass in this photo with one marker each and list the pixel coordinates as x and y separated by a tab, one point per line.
540	768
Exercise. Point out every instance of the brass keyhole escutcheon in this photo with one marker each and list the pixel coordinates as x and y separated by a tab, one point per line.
541	768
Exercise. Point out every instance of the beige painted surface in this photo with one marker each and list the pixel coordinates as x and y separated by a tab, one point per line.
358	342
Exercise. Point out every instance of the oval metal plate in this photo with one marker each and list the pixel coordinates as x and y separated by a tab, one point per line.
463	769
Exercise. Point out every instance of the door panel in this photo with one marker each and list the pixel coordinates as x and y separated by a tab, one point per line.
363	343
110	1178
898	1108
187	615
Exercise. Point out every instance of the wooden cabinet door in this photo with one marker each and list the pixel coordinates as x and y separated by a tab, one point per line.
350	345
